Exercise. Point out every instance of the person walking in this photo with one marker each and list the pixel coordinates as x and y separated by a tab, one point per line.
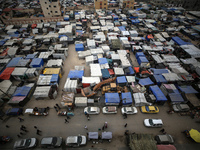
125	125
22	129
20	119
86	127
106	125
18	136
7	126
37	132
66	121
103	128
21	133
58	106
88	117
35	127
22	126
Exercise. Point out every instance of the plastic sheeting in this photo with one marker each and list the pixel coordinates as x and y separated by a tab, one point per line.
106	135
93	135
179	41
145	81
126	98
159	71
76	74
102	60
159	79
158	93
121	79
140	99
22	91
79	47
37	63
112	98
5	75
176	98
13	62
187	89
105	73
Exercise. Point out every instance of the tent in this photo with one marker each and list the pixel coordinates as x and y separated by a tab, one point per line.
187	89
106	135
160	97
126	98
121	80
139	54
175	98
135	21
5	75
145	81
22	91
179	41
93	135
159	79
140	99
102	60
159	71
79	47
13	62
112	99
37	63
76	74
105	73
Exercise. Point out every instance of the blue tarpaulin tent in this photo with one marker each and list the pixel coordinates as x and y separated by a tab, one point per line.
135	21
159	79
121	80
105	73
54	79
14	62
62	36
127	98
131	71
22	91
159	71
76	74
122	28
15	35
30	56
112	98
176	98
145	81
141	60
187	89
158	93
79	47
139	54
102	61
37	63
179	41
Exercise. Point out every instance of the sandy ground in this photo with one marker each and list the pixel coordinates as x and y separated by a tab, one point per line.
53	125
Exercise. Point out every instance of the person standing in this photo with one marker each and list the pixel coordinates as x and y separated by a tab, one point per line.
66	121
105	124
86	127
58	106
20	119
125	125
103	128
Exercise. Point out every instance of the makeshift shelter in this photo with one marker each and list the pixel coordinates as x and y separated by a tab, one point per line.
106	135
50	71
126	98
5	75
176	98
37	63
121	81
160	97
19	73
140	99
112	99
187	89
45	92
74	74
14	62
105	73
79	47
93	135
145	81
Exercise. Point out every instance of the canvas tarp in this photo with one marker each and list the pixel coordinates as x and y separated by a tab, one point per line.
140	99
112	98
76	74
145	81
106	135
158	93
5	75
187	89
93	135
22	91
126	98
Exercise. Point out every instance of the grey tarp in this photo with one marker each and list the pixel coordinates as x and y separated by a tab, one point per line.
93	135
106	135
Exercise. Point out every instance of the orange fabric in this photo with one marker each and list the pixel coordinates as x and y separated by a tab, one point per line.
5	75
137	69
